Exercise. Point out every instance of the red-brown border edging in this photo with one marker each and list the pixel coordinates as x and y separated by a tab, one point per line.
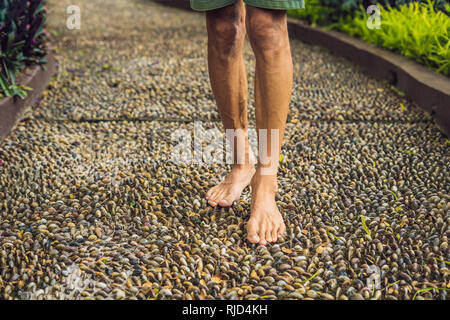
13	108
429	90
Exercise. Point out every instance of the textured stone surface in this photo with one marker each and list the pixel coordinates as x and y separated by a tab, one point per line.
96	210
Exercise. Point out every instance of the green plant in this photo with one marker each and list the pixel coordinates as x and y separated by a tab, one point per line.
415	31
438	5
314	13
329	12
21	41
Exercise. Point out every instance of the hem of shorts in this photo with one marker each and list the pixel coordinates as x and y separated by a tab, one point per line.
219	5
276	5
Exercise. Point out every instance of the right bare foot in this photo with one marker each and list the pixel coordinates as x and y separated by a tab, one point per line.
229	190
266	222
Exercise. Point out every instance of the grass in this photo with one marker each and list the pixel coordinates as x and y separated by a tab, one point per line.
310	278
333	236
363	220
395	196
441	260
428	289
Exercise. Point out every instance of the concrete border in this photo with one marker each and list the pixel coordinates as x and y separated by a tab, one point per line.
429	90
12	109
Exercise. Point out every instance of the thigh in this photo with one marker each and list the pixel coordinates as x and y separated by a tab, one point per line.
206	5
277	4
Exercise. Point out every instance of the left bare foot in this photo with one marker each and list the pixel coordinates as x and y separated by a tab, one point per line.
229	190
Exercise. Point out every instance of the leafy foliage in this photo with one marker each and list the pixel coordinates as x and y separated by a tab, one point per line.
438	5
415	29
22	39
328	12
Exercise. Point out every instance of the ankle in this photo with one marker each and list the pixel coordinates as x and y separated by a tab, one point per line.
270	169
265	181
245	161
243	166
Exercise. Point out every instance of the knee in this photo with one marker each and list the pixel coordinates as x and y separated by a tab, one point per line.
267	32
226	34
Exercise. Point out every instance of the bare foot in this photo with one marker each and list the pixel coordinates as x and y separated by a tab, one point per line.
266	223
229	190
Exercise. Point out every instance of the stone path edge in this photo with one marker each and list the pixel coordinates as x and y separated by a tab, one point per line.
12	109
429	90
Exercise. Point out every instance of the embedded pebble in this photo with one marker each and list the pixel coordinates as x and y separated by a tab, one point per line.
95	209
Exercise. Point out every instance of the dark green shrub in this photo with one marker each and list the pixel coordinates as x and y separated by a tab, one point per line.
22	39
438	5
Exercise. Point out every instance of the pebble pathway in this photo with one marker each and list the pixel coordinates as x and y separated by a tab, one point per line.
92	208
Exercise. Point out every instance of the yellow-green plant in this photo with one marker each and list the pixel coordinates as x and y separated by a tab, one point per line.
329	12
416	31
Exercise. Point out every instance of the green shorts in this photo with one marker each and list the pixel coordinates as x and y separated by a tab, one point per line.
204	5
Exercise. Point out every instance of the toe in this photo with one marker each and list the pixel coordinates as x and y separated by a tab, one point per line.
252	232
269	235
253	238
218	196
274	234
212	203
262	236
211	192
213	199
208	194
281	230
227	201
